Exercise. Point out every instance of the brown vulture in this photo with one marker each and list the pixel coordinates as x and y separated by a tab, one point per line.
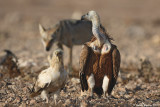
99	60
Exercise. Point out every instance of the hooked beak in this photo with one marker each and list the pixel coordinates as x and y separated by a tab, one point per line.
84	17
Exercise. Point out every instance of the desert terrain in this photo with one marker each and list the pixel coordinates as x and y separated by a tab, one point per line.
134	26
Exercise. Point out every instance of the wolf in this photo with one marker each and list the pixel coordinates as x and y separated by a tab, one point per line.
66	32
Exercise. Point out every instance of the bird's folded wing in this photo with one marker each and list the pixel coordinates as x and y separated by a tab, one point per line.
38	89
116	62
84	57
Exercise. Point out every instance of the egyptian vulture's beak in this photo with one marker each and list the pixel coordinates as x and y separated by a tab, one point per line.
84	17
59	54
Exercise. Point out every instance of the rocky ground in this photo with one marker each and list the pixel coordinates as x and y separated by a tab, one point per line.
132	89
134	25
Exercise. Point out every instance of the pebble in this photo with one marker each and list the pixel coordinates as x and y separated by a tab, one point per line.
67	102
75	80
32	102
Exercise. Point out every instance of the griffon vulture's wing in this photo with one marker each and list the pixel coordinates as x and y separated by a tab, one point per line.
116	62
116	66
84	58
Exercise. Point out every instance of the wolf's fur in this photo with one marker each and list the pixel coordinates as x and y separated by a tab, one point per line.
66	32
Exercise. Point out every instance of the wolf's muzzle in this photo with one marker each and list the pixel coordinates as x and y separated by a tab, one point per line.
47	48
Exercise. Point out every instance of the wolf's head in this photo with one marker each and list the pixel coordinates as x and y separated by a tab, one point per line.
48	36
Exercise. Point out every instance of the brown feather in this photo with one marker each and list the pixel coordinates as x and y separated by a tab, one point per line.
103	59
116	61
111	61
84	58
100	65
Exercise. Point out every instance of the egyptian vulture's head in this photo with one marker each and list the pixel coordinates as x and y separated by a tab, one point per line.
58	53
57	56
91	15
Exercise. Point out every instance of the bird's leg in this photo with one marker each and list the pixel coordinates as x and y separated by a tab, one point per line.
44	96
91	83
82	93
105	85
91	93
56	96
104	95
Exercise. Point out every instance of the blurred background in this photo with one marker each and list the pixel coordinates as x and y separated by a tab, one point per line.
134	25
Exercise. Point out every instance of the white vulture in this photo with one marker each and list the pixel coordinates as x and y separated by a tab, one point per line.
53	79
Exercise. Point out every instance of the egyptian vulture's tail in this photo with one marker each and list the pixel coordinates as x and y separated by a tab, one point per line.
35	93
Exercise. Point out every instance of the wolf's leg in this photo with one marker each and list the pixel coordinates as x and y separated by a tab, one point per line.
70	59
60	45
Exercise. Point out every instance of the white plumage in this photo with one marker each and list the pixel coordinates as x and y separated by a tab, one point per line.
51	80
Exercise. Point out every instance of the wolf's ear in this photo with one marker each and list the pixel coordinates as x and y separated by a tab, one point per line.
41	29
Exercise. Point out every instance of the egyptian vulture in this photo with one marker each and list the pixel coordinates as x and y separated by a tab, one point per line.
99	60
53	79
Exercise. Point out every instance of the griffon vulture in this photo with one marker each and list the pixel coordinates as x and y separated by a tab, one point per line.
99	60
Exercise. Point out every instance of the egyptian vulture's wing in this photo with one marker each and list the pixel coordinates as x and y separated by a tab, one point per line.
35	93
84	58
116	65
40	85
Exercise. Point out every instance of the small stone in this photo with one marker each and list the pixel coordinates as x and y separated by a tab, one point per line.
121	89
17	100
67	102
75	80
139	81
27	102
83	104
2	92
127	96
24	98
131	85
23	105
32	102
25	89
59	102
